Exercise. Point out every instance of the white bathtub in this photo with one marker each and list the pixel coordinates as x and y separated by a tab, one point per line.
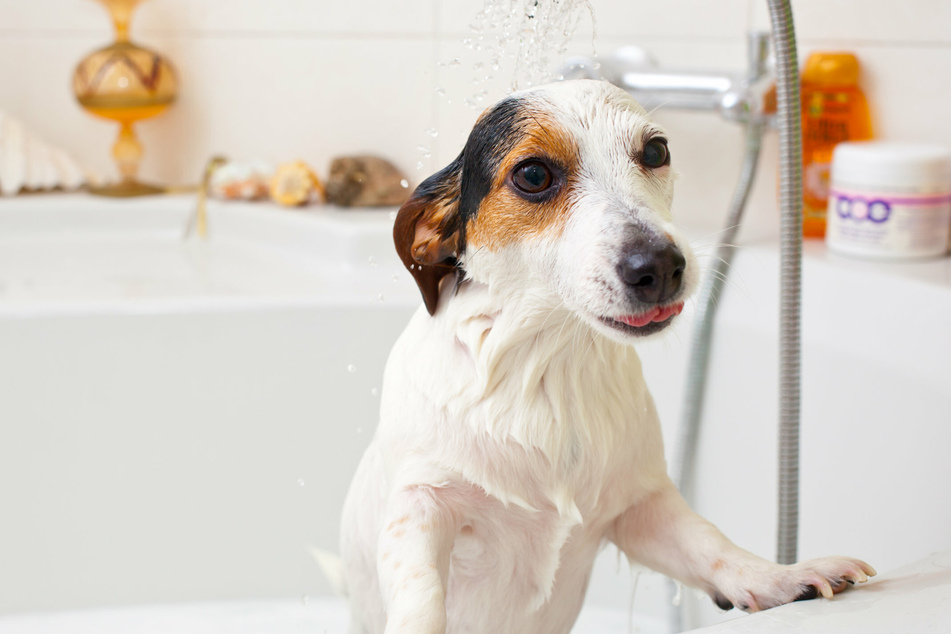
180	421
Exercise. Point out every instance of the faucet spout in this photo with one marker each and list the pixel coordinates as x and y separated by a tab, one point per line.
198	220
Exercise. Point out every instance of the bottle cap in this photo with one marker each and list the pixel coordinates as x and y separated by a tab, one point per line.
831	69
892	165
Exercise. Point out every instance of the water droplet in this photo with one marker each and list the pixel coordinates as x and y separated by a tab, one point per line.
373	262
351	368
300	482
405	185
422	148
396	278
379	298
455	61
441	92
596	65
419	166
304	599
393	213
375	391
433	132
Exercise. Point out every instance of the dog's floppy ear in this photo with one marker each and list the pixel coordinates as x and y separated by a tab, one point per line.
428	231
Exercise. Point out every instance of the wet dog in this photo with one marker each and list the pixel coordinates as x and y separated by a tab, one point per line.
516	433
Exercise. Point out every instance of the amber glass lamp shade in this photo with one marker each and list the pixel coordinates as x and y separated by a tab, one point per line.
125	83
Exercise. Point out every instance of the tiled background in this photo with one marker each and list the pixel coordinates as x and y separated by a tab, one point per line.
282	79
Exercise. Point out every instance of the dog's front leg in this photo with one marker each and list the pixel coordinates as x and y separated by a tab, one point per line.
413	560
663	533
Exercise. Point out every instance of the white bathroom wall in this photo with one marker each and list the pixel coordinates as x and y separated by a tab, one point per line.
282	79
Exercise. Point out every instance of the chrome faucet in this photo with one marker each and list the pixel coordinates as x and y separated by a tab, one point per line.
738	97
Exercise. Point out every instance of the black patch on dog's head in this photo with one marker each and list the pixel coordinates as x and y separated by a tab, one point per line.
492	138
430	229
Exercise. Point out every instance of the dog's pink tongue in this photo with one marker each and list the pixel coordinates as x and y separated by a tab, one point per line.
654	314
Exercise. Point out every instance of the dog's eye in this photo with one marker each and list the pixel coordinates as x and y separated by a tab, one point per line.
532	177
655	154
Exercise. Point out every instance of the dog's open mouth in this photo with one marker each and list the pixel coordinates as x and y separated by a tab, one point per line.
646	323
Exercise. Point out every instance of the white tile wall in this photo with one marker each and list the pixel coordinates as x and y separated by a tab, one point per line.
282	79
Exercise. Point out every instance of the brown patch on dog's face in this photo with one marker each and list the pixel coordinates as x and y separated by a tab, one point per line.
513	211
426	231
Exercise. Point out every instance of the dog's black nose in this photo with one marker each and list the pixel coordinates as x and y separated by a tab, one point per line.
653	271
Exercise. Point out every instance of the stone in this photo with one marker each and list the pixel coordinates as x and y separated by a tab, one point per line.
366	181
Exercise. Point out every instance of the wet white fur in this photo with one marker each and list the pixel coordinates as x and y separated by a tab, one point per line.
517	436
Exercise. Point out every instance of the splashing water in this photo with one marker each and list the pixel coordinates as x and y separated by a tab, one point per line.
513	45
533	33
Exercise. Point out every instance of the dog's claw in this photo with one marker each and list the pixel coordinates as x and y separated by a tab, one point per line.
722	602
809	593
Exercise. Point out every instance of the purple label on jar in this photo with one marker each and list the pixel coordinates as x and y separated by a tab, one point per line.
861	209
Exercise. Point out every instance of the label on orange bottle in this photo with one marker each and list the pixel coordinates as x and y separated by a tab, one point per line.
829	117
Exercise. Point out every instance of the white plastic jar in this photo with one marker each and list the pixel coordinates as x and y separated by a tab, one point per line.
889	200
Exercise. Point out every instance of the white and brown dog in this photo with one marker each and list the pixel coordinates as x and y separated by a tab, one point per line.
516	433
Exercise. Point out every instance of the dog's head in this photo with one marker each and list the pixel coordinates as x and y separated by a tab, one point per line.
564	191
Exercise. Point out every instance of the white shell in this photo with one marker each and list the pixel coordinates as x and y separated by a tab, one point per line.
28	162
241	180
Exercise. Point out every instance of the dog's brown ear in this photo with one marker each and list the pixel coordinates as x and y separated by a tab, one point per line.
427	231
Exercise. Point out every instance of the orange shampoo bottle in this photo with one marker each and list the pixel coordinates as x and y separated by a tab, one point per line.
833	110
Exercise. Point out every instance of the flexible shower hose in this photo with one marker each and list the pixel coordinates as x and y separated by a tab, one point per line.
790	167
685	450
790	237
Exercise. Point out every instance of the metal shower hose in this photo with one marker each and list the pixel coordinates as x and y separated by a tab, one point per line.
790	167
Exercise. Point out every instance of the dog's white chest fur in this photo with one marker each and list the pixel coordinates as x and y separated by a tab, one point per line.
541	449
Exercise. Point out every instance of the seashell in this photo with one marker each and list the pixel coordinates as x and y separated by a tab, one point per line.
27	163
240	181
296	184
366	181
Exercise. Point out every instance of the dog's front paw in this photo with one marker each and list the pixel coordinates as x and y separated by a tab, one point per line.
758	588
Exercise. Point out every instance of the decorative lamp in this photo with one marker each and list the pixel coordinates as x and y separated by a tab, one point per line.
126	83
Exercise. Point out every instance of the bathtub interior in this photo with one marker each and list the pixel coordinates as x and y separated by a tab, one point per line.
186	425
